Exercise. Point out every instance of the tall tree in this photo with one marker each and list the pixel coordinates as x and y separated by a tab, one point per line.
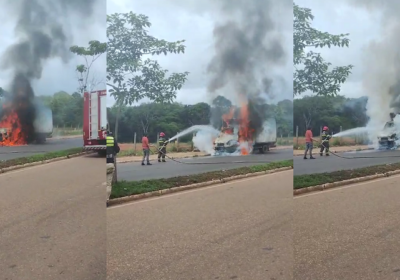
131	77
312	72
90	54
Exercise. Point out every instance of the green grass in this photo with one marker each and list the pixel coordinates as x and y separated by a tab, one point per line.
67	131
284	141
40	157
126	188
310	180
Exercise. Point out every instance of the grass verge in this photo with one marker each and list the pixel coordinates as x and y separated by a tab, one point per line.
310	180
39	157
67	131
126	188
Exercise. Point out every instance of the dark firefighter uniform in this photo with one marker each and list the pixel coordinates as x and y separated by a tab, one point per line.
325	137
112	148
162	147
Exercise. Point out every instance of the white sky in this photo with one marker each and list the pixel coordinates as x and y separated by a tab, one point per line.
338	17
56	75
189	20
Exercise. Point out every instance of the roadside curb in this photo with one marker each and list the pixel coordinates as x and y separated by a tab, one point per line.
175	158
344	183
345	151
135	197
16	167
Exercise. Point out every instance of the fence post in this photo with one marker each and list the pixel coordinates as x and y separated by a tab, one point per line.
320	134
134	143
177	144
297	136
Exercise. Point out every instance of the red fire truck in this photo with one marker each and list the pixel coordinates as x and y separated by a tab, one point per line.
95	123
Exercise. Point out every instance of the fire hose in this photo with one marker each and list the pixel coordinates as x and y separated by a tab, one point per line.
358	157
182	162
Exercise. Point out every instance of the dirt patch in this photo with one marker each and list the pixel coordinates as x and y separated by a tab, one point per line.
300	142
154	157
127	188
310	180
298	152
130	149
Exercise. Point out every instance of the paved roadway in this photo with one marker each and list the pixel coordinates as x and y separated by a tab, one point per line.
333	163
350	233
135	172
237	230
53	221
51	145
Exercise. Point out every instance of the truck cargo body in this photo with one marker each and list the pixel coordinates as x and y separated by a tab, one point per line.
95	121
43	123
229	142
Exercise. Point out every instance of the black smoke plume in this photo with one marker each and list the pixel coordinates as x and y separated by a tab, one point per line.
42	33
248	48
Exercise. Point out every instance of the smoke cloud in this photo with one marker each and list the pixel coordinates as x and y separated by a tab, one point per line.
249	48
382	64
42	32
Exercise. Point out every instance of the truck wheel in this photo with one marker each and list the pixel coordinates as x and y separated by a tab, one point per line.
265	148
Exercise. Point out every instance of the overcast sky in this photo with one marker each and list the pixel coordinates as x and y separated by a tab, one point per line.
58	76
338	17
191	20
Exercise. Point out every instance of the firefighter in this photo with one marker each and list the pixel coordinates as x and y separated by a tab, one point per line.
162	147
325	141
112	147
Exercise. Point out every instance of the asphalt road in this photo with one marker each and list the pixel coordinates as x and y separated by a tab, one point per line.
135	172
53	221
333	163
350	233
238	230
51	145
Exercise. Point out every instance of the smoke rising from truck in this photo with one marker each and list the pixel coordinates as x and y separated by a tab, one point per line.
248	49
41	34
382	64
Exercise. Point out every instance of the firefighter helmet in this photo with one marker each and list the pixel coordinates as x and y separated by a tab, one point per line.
325	128
162	134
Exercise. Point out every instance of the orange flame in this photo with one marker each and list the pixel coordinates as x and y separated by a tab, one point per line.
245	132
12	134
228	116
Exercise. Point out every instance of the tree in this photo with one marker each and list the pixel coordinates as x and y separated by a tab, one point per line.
90	55
312	72
196	114
130	77
1	92
336	112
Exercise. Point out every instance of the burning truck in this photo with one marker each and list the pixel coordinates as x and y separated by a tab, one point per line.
23	119
243	132
389	135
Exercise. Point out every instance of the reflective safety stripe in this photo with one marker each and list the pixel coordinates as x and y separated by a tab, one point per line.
110	141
